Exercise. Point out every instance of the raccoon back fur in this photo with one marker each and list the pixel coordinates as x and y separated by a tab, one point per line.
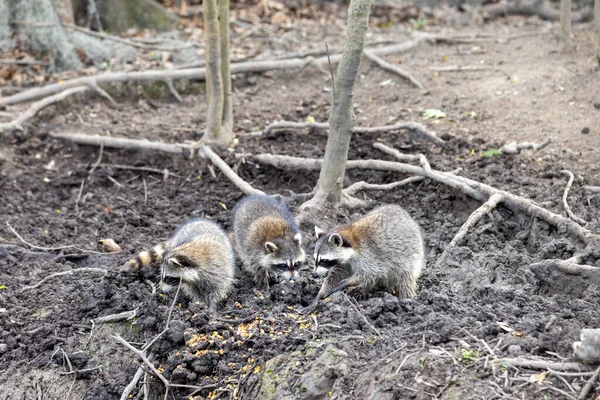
266	239
200	256
384	249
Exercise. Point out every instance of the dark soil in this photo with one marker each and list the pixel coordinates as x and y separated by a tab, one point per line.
431	346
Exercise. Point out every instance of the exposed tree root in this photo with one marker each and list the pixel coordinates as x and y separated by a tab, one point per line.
392	68
514	147
416	127
241	184
569	267
543	364
477	190
473	219
540	8
39	105
565	196
121	143
124	316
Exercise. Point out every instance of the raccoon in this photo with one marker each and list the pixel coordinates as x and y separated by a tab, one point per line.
383	249
266	239
200	256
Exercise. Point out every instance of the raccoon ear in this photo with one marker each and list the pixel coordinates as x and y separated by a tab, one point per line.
298	238
271	247
336	240
318	232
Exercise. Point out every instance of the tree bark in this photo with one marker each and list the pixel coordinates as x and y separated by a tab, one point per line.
565	24
341	118
227	128
214	81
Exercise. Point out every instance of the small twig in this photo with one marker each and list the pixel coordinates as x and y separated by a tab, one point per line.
131	385
121	143
79	197
34	246
79	371
588	386
542	364
37	106
145	191
103	93
473	219
99	160
392	68
454	68
145	169
147	346
362	185
57	274
408	356
566	194
241	184
330	70
593	189
514	147
173	90
124	316
363	317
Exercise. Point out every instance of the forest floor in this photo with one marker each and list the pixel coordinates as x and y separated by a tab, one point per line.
482	303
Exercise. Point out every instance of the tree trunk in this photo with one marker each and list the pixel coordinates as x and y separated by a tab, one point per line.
41	28
341	118
597	28
227	127
565	24
214	81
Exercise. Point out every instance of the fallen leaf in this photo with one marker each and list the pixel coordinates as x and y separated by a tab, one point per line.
539	378
432	113
386	82
223	205
310	119
111	246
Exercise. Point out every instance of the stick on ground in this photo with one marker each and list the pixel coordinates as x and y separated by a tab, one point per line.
566	195
588	386
37	106
57	274
473	219
543	364
392	68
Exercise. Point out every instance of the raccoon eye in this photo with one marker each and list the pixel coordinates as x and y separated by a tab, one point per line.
327	263
282	267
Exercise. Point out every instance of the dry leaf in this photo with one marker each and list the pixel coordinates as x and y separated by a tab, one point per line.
111	246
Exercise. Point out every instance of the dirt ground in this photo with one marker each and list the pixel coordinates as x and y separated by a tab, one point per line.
483	303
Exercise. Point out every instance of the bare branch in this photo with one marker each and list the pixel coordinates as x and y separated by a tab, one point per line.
57	274
473	219
131	385
392	68
565	196
228	172
39	105
543	364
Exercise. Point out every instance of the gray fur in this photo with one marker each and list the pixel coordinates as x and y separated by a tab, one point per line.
201	256
260	251
385	252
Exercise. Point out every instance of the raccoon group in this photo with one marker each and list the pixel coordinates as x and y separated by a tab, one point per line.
382	250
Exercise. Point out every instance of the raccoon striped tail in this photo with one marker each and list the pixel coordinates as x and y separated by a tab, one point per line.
147	257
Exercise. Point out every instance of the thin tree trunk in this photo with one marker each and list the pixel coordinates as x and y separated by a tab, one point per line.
565	24
597	28
225	69
214	83
341	117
